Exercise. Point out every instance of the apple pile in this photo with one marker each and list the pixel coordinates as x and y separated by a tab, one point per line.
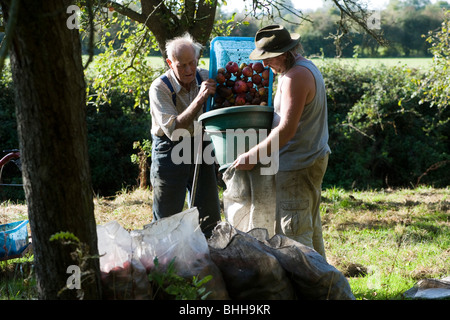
242	85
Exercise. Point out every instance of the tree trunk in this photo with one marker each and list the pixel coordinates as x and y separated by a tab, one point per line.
50	108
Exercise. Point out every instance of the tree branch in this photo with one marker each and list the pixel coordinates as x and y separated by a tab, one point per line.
123	9
351	9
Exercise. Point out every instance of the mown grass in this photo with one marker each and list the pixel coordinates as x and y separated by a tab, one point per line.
417	63
383	241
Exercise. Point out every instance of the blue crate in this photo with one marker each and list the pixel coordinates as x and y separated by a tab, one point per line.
237	49
13	238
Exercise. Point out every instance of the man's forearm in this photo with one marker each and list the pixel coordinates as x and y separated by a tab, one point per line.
184	119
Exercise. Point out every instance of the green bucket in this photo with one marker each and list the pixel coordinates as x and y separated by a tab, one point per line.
235	130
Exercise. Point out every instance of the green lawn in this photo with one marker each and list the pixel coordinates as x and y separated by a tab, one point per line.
383	241
418	63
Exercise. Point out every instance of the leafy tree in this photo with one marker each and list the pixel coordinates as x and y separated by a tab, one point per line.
126	67
50	108
437	81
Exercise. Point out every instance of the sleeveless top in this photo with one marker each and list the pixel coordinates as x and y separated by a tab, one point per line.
310	142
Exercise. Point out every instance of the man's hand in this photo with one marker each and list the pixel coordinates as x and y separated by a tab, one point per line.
207	88
244	162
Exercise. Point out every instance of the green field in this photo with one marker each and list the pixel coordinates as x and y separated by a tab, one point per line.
417	63
414	63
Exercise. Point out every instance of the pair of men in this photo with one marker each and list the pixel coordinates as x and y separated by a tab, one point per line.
299	130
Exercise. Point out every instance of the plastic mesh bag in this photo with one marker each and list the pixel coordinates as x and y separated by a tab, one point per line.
286	269
249	270
311	276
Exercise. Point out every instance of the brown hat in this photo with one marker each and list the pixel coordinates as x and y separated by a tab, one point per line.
272	41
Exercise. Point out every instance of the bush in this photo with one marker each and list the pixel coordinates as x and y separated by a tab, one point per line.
8	128
112	130
380	133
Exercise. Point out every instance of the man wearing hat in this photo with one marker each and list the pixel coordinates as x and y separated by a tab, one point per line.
301	128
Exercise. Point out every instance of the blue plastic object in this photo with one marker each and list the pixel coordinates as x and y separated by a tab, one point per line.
237	49
13	238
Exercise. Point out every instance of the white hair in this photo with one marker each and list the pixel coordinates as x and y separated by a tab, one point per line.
173	45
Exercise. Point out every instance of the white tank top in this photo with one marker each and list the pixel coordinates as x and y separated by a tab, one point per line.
310	142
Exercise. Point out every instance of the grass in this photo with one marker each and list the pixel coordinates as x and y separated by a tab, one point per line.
383	241
417	63
414	63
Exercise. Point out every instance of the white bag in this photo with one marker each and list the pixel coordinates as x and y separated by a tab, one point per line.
179	238
249	199
123	276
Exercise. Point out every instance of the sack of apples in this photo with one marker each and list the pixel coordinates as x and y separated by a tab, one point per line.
245	84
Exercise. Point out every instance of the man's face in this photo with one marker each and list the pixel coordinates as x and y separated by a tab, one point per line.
184	65
277	64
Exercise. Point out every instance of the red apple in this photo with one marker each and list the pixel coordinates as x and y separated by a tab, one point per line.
256	78
258	67
265	82
262	91
240	87
247	71
256	101
220	78
240	99
229	83
265	74
224	91
232	67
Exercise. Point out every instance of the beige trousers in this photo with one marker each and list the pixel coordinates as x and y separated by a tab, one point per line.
297	207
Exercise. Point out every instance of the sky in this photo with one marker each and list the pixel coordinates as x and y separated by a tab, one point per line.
312	4
304	4
373	4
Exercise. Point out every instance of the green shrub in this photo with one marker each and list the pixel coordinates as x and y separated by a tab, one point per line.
112	130
8	127
380	133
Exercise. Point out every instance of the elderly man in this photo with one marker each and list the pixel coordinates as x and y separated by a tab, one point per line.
176	100
301	132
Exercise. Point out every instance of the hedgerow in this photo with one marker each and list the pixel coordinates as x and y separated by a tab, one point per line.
382	133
